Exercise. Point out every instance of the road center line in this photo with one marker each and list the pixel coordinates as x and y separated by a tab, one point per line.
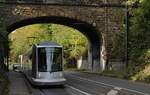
109	85
104	86
112	92
78	90
117	88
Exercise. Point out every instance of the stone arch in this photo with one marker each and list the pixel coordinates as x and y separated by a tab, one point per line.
85	28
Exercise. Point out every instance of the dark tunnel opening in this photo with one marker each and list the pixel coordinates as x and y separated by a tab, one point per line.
86	29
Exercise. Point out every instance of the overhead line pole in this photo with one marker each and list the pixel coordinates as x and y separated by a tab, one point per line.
127	34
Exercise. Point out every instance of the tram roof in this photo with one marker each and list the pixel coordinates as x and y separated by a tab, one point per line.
49	43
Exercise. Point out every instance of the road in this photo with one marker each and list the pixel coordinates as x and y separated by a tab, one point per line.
91	84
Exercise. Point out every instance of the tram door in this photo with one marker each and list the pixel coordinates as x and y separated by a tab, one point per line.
34	61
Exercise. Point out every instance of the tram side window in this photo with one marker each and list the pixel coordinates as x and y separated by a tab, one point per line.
57	60
42	66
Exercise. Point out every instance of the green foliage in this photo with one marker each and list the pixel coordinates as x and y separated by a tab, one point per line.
132	2
20	40
73	41
144	74
139	39
119	46
45	33
115	73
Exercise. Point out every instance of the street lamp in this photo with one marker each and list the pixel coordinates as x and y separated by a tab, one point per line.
127	33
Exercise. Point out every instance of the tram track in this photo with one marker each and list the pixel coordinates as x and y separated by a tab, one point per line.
79	84
83	85
32	90
67	90
28	86
48	90
52	90
43	93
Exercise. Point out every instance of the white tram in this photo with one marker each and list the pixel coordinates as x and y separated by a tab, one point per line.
43	65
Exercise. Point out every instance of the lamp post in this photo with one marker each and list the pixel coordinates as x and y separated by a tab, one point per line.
5	50
127	33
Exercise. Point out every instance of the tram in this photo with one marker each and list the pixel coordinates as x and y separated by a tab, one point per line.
43	64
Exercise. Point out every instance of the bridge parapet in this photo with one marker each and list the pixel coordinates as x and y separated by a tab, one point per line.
67	2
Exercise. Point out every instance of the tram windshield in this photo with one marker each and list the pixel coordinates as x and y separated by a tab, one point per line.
49	59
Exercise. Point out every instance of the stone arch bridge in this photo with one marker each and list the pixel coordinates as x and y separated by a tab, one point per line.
98	20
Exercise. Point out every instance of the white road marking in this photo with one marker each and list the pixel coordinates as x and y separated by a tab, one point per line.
109	85
78	90
117	88
96	84
112	92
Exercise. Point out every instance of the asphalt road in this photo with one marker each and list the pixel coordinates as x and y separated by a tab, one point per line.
99	85
91	84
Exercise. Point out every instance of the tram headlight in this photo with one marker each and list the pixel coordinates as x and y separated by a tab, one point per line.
39	75
61	75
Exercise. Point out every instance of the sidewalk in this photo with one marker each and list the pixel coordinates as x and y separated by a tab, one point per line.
17	84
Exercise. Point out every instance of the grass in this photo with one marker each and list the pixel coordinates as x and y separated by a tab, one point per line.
115	73
6	88
109	73
142	75
74	69
70	69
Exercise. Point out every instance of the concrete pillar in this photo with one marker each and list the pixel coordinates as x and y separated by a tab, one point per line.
102	59
103	55
21	60
79	63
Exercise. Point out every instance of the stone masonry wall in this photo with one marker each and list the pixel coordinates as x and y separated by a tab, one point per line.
107	20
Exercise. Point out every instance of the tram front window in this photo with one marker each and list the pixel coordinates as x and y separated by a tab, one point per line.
42	66
57	60
49	59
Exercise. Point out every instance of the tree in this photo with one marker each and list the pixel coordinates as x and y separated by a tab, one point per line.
139	43
74	43
20	42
